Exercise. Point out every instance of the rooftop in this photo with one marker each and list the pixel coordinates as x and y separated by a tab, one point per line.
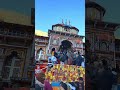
66	25
41	33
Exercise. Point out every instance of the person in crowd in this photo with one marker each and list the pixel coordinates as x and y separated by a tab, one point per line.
71	85
64	58
70	58
63	86
115	73
88	81
53	59
53	56
58	57
47	85
39	55
81	83
41	83
115	77
105	78
50	64
74	58
79	59
97	70
54	53
83	63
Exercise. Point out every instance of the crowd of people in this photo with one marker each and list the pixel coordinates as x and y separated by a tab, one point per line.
100	76
66	57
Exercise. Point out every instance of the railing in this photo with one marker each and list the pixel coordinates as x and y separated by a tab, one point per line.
15	34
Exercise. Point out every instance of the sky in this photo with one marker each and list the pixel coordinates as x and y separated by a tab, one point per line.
20	6
50	12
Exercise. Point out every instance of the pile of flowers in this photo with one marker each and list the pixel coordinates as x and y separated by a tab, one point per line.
65	73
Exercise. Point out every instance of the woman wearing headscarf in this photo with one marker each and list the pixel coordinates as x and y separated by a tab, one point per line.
41	83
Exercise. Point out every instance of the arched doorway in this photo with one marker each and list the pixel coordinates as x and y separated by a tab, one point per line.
65	45
103	46
40	54
11	66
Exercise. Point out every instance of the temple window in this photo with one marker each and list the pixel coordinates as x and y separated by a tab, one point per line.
11	66
103	46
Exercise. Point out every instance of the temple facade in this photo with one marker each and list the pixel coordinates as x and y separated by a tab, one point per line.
54	38
62	32
16	50
41	42
100	34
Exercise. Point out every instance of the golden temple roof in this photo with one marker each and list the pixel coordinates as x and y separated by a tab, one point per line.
41	33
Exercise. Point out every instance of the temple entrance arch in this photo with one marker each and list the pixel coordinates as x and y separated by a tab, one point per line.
65	45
